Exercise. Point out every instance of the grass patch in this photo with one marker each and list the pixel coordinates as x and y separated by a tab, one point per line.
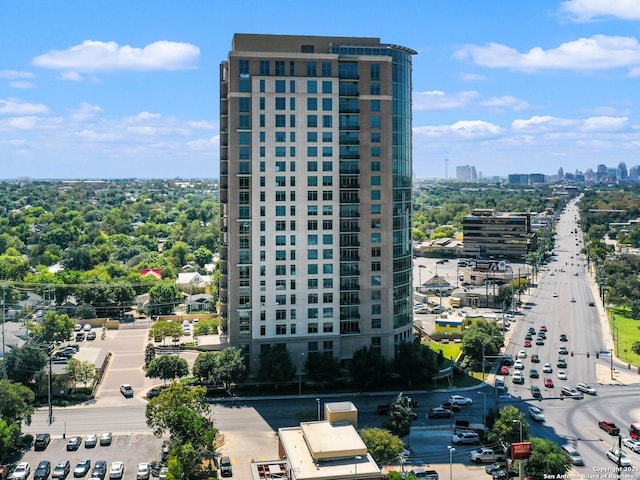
625	331
449	350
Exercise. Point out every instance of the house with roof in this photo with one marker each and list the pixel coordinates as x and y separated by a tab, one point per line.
194	279
201	302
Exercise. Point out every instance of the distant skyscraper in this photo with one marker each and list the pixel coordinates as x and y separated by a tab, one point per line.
466	173
316	195
560	173
622	171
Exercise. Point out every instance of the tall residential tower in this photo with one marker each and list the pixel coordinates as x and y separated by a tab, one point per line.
315	195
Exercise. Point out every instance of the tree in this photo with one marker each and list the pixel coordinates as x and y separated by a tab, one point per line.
506	428
322	368
202	256
399	420
56	328
479	334
165	328
207	326
635	347
81	371
24	363
16	403
183	413
163	297
149	353
547	460
383	445
204	368
85	310
167	367
276	365
368	367
230	366
9	439
415	363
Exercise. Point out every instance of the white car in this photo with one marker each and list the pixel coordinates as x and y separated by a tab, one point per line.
143	471
22	471
522	354
555	294
546	368
518	365
536	414
576	458
618	456
116	471
459	438
586	388
632	444
460	400
87	327
163	473
517	377
562	375
90	440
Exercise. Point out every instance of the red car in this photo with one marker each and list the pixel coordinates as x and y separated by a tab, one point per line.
527	343
543	328
504	370
548	383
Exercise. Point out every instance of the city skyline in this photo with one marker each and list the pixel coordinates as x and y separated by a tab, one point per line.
132	91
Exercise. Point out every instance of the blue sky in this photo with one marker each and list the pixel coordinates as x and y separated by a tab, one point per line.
125	89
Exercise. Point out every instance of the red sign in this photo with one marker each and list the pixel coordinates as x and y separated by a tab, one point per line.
520	451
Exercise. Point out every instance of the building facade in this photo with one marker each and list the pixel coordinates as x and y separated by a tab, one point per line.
490	234
315	195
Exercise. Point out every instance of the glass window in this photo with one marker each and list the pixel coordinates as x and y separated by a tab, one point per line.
375	179
375	71
292	124
312	254
280	68
375	105
292	68
243	122
281	151
327	121
327	239
312	166
262	120
311	69
375	121
326	69
312	181
292	136
244	85
281	166
312	104
264	67
312	239
281	136
243	67
292	86
243	104
281	239
327	104
280	86
327	136
281	181
327	152
312	210
327	86
263	86
375	88
262	103
327	181
312	121
376	208
262	136
312	136
376	237
327	254
312	86
281	211
281	103
375	194
312	151
292	103
281	121
327	269
375	166
375	137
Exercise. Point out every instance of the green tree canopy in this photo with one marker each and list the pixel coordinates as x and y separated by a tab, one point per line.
368	367
547	460
165	328
415	363
163	298
56	328
276	365
482	332
322	368
506	429
167	367
81	371
383	445
24	363
399	420
16	403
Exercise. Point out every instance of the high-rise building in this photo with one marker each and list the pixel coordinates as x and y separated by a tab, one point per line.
315	195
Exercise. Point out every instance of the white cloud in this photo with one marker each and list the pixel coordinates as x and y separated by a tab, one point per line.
587	10
603	124
15	74
634	72
595	53
437	100
506	101
84	112
555	125
544	123
70	76
22	84
472	77
97	56
13	106
463	129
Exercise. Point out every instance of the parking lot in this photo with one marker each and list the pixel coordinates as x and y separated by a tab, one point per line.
130	449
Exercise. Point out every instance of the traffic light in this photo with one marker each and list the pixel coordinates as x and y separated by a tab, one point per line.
597	354
572	353
588	354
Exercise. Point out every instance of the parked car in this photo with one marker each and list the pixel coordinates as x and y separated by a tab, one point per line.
82	468
42	471
74	443
22	471
632	444
454	407
116	471
42	441
90	440
225	467
99	469
460	400
618	456
105	439
494	467
466	437
61	470
143	471
91	335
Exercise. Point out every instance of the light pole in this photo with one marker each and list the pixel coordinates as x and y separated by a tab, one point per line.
420	268
318	402
451	451
355	465
300	373
484	411
520	461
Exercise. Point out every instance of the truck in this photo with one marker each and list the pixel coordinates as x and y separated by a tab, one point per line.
488	455
609	427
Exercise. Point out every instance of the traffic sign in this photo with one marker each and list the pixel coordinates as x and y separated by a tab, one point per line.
605	352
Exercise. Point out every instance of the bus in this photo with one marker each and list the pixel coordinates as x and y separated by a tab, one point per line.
634	431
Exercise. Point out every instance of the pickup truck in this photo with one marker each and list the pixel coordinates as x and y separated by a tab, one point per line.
609	427
487	455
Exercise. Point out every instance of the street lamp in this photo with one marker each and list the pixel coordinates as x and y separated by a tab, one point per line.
318	402
300	373
451	450
420	268
520	461
484	411
355	465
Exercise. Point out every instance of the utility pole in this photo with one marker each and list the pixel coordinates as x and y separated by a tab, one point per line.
4	343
